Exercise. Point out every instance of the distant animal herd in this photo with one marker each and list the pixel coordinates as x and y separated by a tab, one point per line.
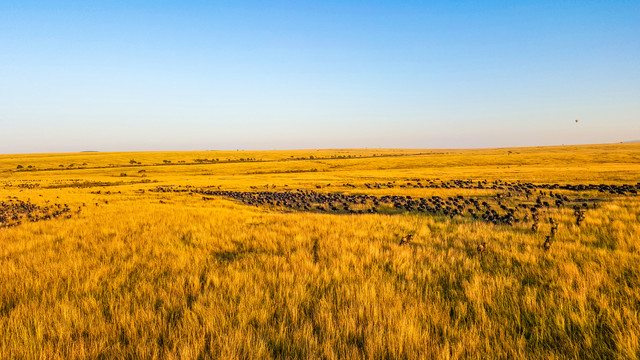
509	203
14	212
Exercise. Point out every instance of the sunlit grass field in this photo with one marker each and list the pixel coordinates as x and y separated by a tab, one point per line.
122	270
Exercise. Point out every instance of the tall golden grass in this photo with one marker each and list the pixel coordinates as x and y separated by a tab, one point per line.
141	274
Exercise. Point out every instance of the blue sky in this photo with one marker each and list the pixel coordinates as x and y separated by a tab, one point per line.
160	75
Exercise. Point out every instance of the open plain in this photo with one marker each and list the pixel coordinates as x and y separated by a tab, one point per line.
364	253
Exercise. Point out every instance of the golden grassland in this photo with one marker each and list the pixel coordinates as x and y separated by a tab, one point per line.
143	274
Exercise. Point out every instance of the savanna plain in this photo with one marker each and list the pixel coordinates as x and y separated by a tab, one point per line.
332	254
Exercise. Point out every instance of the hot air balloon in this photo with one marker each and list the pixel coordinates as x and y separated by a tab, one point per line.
576	121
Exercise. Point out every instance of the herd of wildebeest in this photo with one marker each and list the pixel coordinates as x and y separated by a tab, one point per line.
503	202
14	211
506	203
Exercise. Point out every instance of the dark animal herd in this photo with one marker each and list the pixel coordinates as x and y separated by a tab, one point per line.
13	212
526	188
508	203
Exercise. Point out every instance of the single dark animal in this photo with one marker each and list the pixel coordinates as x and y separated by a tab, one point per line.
406	239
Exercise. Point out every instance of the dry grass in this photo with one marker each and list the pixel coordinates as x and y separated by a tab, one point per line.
141	274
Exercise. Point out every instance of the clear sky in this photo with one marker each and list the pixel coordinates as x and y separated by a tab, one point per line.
188	75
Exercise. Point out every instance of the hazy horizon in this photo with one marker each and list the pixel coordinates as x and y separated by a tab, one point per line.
161	76
322	149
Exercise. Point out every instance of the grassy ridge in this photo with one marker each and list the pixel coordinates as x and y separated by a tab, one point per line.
139	274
